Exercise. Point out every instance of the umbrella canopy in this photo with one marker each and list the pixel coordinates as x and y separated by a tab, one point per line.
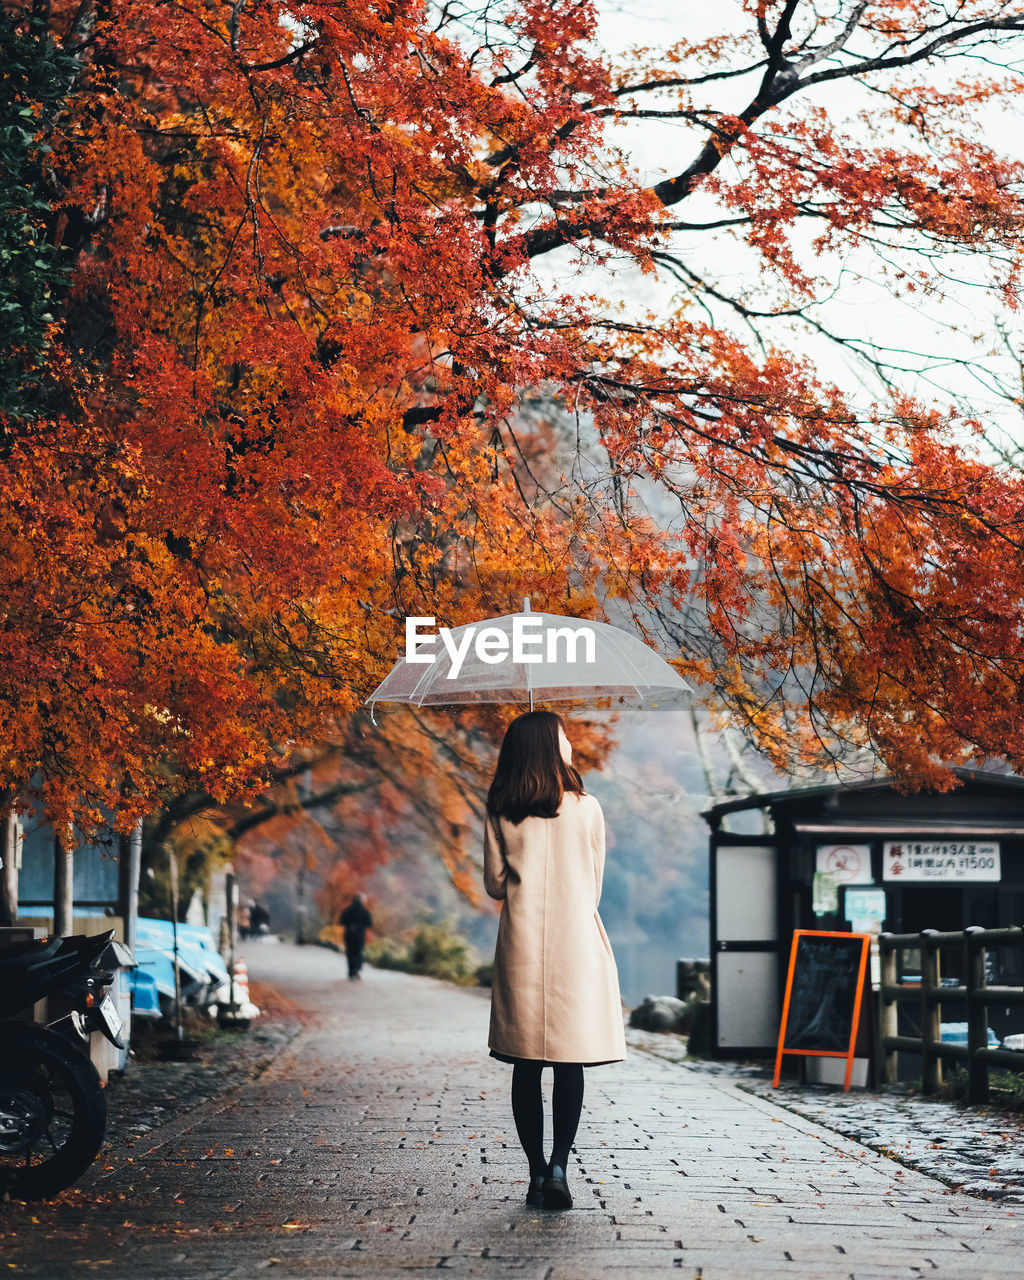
520	656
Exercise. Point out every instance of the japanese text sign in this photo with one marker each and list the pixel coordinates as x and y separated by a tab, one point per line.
940	860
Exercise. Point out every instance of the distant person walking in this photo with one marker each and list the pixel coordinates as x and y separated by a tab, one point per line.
259	920
355	920
555	995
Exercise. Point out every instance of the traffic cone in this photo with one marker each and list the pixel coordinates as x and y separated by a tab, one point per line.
241	984
240	1012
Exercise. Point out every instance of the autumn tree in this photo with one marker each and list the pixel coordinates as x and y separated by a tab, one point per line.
310	301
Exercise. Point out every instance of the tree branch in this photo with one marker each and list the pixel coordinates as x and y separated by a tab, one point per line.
282	61
781	81
919	55
257	817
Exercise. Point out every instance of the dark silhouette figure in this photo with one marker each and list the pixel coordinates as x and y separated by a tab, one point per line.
355	920
259	920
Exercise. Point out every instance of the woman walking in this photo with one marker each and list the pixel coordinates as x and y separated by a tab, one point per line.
555	995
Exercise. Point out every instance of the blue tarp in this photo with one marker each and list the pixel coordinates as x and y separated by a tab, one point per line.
145	994
198	959
956	1033
201	937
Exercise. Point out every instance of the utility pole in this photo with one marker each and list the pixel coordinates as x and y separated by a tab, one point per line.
300	902
300	888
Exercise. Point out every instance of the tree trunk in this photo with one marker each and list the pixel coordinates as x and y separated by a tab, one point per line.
9	871
130	851
63	884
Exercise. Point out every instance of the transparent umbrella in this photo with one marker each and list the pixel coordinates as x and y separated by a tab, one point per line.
527	655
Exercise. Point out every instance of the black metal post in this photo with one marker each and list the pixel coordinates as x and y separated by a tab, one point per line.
231	892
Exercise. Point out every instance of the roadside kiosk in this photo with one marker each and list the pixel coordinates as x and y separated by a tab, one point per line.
857	858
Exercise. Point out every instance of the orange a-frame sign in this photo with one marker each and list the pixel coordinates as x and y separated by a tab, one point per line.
824	988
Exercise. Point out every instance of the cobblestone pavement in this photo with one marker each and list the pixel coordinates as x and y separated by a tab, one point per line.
379	1143
976	1150
152	1092
979	1150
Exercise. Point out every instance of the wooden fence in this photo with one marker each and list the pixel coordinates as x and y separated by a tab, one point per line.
929	994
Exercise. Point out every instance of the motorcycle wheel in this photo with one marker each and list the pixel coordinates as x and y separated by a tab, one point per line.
52	1112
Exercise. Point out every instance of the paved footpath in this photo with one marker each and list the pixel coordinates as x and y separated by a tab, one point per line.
380	1144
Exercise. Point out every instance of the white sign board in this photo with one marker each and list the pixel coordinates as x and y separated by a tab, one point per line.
940	860
848	863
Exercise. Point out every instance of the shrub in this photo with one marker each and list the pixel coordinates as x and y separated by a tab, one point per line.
439	951
436	951
387	953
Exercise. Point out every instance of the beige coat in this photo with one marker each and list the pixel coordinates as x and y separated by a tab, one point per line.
555	995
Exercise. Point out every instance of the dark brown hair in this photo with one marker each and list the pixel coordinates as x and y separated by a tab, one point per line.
531	776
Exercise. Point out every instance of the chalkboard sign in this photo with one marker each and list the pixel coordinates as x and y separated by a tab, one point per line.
824	986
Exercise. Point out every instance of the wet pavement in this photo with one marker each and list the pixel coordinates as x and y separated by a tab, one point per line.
152	1091
978	1150
379	1143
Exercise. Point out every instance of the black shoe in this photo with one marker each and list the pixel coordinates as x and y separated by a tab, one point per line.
556	1189
535	1195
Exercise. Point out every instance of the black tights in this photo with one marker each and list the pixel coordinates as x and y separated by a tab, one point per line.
528	1110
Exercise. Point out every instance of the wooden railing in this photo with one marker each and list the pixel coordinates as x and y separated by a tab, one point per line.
928	995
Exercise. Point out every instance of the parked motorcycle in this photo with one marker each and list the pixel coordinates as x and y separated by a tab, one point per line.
52	1108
